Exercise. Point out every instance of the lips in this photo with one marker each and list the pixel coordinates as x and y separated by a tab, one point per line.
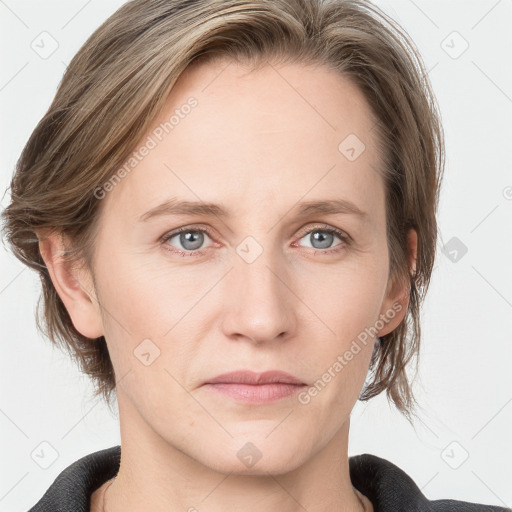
250	388
253	378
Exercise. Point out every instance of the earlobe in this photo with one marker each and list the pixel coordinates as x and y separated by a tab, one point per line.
74	286
397	295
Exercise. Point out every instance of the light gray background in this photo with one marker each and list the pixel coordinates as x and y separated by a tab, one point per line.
464	381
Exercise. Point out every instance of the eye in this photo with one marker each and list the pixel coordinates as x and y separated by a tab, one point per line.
189	241
322	238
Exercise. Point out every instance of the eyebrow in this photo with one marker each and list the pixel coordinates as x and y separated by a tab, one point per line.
303	209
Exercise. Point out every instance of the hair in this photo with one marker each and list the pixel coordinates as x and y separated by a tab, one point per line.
118	82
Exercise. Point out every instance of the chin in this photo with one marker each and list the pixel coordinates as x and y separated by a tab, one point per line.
255	453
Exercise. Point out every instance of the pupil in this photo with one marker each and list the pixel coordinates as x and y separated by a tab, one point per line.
191	237
323	238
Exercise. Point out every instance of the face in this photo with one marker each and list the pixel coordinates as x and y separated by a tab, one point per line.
258	282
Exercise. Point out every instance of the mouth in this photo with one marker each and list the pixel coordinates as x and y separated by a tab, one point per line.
255	388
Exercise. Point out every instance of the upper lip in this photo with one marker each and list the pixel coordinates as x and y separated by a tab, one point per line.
249	377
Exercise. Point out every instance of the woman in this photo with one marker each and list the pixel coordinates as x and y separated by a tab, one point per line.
232	206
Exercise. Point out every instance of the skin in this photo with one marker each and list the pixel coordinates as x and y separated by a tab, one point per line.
258	143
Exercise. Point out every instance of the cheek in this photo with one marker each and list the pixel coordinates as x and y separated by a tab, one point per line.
151	307
147	342
350	298
350	306
138	294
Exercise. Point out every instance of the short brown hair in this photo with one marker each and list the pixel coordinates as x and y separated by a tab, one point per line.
119	80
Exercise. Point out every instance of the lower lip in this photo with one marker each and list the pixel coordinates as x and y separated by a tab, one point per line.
256	393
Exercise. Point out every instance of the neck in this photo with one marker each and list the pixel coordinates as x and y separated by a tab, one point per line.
154	475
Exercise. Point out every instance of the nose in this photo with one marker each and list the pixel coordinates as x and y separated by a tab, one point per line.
259	305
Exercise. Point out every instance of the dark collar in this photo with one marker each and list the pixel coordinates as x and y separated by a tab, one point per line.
387	486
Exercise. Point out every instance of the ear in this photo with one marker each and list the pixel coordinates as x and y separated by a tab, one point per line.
73	284
397	293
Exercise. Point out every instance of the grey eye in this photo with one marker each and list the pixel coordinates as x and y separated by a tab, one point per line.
320	238
190	240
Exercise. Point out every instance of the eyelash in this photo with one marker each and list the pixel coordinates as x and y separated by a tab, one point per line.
345	238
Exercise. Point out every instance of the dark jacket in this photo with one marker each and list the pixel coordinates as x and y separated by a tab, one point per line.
388	487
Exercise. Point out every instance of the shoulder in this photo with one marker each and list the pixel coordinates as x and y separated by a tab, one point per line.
73	487
390	488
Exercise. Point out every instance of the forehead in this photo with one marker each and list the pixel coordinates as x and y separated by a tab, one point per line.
256	135
302	101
